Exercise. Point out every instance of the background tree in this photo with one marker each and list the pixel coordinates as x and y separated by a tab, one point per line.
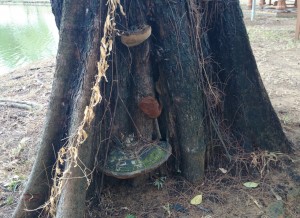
197	68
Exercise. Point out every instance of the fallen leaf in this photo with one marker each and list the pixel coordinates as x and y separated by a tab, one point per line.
196	200
250	184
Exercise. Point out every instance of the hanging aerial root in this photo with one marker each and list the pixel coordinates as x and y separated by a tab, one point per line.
68	155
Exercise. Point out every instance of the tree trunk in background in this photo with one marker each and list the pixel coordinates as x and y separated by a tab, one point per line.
197	64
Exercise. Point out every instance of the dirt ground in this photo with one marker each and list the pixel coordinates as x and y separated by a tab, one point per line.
24	95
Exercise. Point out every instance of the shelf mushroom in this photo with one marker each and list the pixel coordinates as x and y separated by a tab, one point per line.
150	106
136	157
136	37
125	164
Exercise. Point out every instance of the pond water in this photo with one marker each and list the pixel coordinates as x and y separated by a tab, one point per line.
27	34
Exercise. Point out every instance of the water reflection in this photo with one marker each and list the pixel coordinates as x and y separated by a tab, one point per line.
27	34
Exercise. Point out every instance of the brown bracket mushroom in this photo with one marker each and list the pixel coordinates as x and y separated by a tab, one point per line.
151	107
136	37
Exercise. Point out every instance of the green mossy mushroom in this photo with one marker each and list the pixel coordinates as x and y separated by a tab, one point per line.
124	164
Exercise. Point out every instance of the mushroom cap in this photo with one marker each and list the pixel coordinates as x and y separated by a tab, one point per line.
123	165
150	106
134	38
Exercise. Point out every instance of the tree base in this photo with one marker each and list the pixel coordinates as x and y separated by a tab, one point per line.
262	3
249	4
281	5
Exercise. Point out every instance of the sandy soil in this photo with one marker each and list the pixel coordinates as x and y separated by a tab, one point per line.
278	59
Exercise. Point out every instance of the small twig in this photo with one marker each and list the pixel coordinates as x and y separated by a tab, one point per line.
277	196
206	210
254	200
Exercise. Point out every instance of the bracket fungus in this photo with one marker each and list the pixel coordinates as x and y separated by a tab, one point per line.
125	164
136	37
150	106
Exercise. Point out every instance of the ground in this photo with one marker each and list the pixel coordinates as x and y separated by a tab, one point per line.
278	194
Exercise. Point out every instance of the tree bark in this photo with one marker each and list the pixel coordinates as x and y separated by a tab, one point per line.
72	199
68	74
57	6
247	108
179	76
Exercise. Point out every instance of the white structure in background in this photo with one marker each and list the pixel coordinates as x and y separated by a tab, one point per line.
253	10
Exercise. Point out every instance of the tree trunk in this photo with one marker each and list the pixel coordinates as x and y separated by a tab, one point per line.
73	66
247	108
197	67
179	78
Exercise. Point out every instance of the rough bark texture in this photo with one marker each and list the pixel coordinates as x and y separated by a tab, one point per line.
172	67
247	108
72	199
57	11
73	63
179	76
